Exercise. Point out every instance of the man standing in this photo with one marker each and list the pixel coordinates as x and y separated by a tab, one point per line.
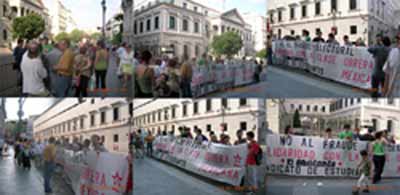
200	138
346	41
332	40
18	53
346	133
319	37
240	139
64	69
380	52
49	156
53	57
251	163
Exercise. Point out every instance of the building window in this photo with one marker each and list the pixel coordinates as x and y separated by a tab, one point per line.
389	125
195	108
131	109
5	35
141	27
243	126
318	8
156	22
184	110
173	112
224	103
353	4
196	27
390	101
353	30
375	124
323	109
82	123
116	114
333	5
280	16
185	25
308	108
208	105
92	120
196	50
159	115
166	114
135	28
184	5
292	13
102	117
292	32
304	11
271	18
148	25
242	102
116	138
209	127
172	22
300	107
195	9
154	117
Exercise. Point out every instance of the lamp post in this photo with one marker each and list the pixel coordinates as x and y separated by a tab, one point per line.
103	31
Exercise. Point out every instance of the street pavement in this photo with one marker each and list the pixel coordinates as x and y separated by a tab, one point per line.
321	186
15	180
153	177
284	83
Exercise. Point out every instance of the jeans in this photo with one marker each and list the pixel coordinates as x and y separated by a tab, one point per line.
47	173
378	80
269	55
186	85
63	85
379	164
81	90
101	79
149	149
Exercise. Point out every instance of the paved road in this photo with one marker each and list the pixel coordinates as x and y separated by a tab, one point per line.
153	177
293	84
304	186
15	180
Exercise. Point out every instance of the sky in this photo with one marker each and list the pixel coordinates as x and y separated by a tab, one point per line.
88	13
32	106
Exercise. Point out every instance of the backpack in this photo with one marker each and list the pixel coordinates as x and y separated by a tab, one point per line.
259	156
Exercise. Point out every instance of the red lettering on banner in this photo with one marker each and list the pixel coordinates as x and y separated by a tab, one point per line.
353	157
217	158
293	153
116	182
358	63
237	160
355	76
328	155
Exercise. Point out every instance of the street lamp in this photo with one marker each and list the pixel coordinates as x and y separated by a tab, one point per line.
103	4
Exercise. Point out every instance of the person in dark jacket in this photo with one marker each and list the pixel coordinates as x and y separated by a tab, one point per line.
18	53
380	53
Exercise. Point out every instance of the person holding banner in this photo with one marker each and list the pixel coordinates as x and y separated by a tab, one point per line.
251	163
380	52
377	148
346	133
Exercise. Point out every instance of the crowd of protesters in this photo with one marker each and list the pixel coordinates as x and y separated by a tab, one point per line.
42	155
143	142
385	78
60	69
373	154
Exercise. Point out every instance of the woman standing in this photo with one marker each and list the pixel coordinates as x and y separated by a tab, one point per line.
377	148
392	71
33	72
82	72
144	76
126	62
101	65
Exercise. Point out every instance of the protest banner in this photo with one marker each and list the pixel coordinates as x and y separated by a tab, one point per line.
217	77
349	65
315	156
218	162
90	172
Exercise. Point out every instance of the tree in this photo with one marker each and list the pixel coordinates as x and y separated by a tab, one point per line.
76	35
228	44
61	36
262	53
117	39
96	36
28	27
296	119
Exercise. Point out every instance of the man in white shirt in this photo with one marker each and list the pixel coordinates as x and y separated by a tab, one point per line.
119	52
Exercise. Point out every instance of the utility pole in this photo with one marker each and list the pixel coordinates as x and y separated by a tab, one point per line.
21	102
103	4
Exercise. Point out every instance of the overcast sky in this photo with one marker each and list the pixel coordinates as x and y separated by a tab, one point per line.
32	106
88	13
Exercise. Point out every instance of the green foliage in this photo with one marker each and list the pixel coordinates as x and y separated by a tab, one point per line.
229	44
262	53
61	36
96	36
296	119
117	39
28	27
77	35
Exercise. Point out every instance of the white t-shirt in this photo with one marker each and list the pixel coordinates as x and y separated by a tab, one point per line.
127	58
33	73
119	51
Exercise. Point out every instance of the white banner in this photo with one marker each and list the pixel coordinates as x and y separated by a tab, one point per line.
218	162
219	77
90	173
315	156
349	65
